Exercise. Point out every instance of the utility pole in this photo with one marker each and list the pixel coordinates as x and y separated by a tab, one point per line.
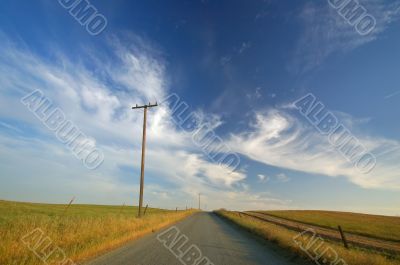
199	201
145	107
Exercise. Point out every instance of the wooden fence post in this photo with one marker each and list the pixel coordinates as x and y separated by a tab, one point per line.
67	207
343	237
145	209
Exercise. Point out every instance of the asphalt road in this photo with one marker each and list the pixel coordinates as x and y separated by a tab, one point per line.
218	242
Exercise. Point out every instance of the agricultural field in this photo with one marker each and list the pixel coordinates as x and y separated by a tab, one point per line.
321	252
381	227
79	231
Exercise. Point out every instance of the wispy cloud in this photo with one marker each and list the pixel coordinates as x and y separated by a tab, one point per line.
98	101
282	177
282	139
236	51
8	126
263	178
392	94
325	32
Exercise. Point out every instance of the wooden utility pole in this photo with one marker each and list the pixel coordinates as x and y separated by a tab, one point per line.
199	201
145	107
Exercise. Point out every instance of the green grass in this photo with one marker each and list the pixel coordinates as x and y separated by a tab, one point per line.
383	227
11	210
82	231
284	238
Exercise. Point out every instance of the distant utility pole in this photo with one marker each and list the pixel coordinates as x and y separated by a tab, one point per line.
199	201
145	107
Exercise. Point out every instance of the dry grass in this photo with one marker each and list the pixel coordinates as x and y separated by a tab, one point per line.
370	243
284	238
81	232
383	227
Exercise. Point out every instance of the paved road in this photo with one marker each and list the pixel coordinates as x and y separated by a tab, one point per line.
218	240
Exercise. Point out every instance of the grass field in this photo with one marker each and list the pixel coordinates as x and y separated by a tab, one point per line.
329	251
80	232
382	227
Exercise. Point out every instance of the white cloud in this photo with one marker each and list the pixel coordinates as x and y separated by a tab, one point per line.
99	102
281	177
263	178
279	138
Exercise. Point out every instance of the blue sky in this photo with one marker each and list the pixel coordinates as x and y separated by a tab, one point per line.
239	65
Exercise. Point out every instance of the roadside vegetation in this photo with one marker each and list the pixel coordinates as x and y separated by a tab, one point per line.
285	238
381	227
79	231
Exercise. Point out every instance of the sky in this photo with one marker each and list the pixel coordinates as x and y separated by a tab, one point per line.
239	67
